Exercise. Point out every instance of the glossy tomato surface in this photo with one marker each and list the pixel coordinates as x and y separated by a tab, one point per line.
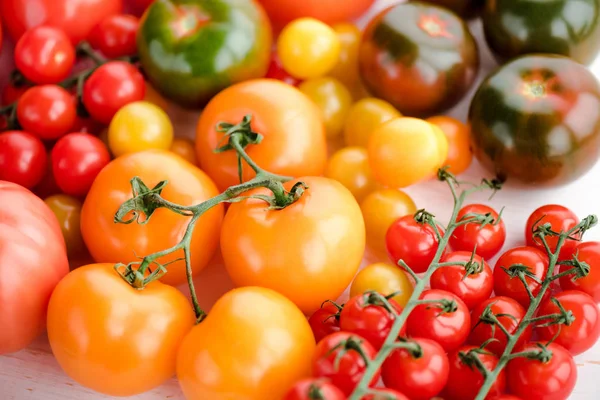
465	380
588	252
23	158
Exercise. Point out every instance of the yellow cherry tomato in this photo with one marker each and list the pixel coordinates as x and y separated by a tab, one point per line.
308	48
364	117
333	101
139	126
385	279
405	150
458	134
350	167
68	213
346	69
185	149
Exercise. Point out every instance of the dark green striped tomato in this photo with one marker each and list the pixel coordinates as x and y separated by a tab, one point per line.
192	49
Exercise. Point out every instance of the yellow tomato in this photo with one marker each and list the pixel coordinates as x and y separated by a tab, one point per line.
385	279
350	167
185	149
458	134
364	117
346	69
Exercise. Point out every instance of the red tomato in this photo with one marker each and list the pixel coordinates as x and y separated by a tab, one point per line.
537	380
486	239
47	111
12	93
33	258
420	375
22	158
314	388
481	331
473	286
537	264
325	321
386	394
114	36
450	328
276	71
139	6
112	86
589	253
506	397
561	219
335	359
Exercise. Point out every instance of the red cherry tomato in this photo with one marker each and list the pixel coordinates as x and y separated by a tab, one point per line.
276	71
386	394
589	253
487	239
419	374
473	285
112	86
12	93
22	158
561	219
48	111
506	397
77	159
114	36
325	321
314	388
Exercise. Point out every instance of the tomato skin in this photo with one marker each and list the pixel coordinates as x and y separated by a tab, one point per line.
41	255
460	373
209	367
364	117
350	167
48	111
458	134
346	69
588	252
324	321
12	93
465	8
485	240
304	388
333	100
386	394
115	35
561	219
385	279
67	210
23	158
185	149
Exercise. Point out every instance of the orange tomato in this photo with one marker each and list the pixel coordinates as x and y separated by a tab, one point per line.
188	185
385	279
458	134
350	167
253	345
113	338
308	251
364	117
184	148
293	134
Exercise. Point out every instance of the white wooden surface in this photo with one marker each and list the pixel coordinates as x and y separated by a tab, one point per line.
33	374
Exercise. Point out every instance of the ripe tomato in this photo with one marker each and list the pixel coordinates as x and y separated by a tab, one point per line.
336	359
350	167
364	117
473	286
505	285
139	126
209	367
112	86
90	295
114	36
404	151
465	380
589	253
333	101
276	71
258	245
110	242
561	219
293	134
458	134
32	261
486	240
67	210
48	111
420	375
22	158
346	69
314	388
449	328
45	54
12	93
385	279
536	380
325	320
386	394
481	331
506	397
582	333
185	149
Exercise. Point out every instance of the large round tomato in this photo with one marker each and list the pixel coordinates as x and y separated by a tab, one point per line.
33	259
293	135
233	353
308	251
110	242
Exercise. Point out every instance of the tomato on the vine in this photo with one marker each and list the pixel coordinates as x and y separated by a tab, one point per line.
364	117
486	240
314	388
350	167
115	35
386	279
67	210
588	252
560	219
332	99
325	320
23	158
458	134
386	394
48	111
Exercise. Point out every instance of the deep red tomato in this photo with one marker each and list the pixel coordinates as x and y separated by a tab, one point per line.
77	159
112	86
44	55
23	158
325	321
589	253
420	375
48	111
386	394
114	36
561	219
335	359
506	397
486	239
537	380
314	389
413	242
450	328
481	331
12	93
276	71
473	285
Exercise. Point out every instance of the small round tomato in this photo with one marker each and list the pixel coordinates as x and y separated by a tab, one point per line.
139	126
350	167
23	158
536	262
560	219
308	48
114	36
314	388
276	71
588	252
48	111
67	210
44	54
364	117
420	373
337	359
448	324
90	295
325	320
486	240
458	134
380	209
185	149
506	397
385	279
333	101
112	86
465	380
553	379
346	69
473	285
385	394
404	151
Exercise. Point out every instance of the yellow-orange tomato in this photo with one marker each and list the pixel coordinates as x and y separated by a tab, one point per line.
346	69
253	345
293	134
308	251
364	117
458	134
113	338
350	167
188	185
68	213
333	101
185	149
385	279
404	151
